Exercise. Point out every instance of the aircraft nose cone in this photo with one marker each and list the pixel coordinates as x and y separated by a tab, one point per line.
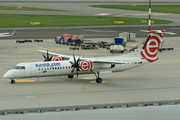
7	74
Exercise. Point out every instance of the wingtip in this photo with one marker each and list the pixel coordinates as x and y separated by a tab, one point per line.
13	32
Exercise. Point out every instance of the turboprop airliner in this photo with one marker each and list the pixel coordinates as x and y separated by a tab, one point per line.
63	65
7	34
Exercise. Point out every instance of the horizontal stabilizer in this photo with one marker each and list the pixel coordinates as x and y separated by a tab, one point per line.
158	31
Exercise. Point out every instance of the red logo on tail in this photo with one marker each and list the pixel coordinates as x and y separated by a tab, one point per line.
151	49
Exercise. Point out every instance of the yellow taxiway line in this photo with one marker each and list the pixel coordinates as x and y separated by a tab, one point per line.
25	80
75	5
83	88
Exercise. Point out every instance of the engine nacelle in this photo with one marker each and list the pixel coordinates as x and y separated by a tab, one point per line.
88	66
85	65
58	58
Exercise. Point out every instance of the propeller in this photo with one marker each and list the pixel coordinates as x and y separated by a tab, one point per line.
75	65
47	57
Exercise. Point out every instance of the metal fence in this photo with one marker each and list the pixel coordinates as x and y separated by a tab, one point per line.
91	107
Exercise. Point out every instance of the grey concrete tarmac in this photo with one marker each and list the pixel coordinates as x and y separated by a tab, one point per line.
155	81
87	31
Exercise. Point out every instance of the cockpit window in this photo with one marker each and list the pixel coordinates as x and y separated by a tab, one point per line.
19	67
16	67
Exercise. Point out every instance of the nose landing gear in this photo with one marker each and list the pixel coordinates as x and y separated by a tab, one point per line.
12	81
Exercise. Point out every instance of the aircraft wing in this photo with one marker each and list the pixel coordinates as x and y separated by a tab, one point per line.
108	62
66	57
4	33
7	34
55	54
102	61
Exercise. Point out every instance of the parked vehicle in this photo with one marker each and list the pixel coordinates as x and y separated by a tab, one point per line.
133	47
58	40
120	41
38	40
27	40
20	41
116	48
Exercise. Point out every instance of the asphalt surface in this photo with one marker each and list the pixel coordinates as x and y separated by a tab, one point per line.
87	32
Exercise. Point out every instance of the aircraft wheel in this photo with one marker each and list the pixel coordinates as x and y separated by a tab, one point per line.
70	76
12	81
98	80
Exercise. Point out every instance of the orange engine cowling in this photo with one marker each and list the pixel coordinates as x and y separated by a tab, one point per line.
58	58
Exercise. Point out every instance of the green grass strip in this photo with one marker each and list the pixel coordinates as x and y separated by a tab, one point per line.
26	8
23	20
154	8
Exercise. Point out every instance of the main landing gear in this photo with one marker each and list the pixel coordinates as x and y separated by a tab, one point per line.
98	79
12	81
70	76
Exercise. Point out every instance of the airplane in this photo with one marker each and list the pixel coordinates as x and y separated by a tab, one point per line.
7	34
63	65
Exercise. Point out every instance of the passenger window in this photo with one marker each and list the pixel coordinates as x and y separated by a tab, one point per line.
44	68
53	68
60	68
47	68
69	67
63	67
66	67
41	68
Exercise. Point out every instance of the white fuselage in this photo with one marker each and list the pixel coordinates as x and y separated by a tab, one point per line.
62	68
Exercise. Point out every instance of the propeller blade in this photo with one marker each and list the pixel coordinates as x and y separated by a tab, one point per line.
72	70
80	68
75	65
50	58
77	72
44	56
78	60
47	55
74	58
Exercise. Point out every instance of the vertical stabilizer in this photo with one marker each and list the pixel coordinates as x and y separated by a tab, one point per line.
152	44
